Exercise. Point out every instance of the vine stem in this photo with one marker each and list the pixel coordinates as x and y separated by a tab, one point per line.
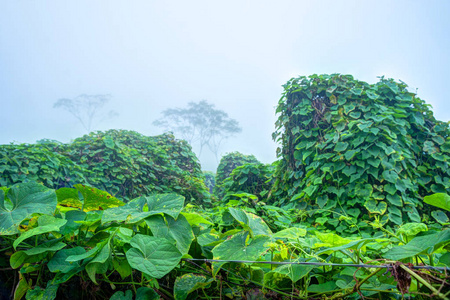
424	282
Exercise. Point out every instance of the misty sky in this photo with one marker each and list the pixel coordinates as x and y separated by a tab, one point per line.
152	55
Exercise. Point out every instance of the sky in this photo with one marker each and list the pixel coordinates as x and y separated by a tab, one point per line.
154	55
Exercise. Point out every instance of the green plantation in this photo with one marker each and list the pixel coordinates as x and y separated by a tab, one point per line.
356	207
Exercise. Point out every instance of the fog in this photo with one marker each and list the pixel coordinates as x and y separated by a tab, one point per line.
154	55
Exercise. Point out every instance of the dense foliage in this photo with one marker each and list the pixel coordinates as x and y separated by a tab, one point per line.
357	151
227	164
41	162
254	178
58	245
124	163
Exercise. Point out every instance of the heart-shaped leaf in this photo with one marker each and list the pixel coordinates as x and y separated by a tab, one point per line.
153	256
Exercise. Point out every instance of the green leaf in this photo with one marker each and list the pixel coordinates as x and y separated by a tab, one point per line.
292	233
90	253
52	245
412	229
17	259
39	294
68	197
22	287
350	154
145	293
170	204
179	231
440	216
58	262
440	200
122	267
95	199
340	146
251	222
186	284
26	199
418	245
330	239
375	207
130	213
119	295
195	219
152	255
73	217
237	248
46	224
295	271
390	176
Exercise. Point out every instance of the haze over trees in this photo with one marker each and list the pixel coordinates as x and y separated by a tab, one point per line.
201	125
87	109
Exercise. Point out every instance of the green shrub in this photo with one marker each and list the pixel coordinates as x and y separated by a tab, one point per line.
254	178
124	163
358	151
227	164
38	162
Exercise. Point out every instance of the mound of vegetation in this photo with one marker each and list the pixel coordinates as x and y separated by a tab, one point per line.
357	151
227	164
124	163
254	178
40	162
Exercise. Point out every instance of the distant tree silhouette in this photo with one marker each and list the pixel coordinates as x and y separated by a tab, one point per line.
87	109
200	123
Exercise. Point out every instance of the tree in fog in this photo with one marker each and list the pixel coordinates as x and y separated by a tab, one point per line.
200	123
87	109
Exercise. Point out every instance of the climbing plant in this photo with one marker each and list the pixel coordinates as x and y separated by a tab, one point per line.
352	152
227	164
124	163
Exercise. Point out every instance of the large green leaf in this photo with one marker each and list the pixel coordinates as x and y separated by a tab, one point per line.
292	233
440	200
170	204
177	230
46	224
239	247
95	199
412	229
251	222
418	245
25	199
132	212
195	219
153	256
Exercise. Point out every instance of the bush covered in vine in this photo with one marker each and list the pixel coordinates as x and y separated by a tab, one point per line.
254	178
124	163
227	164
357	151
40	162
